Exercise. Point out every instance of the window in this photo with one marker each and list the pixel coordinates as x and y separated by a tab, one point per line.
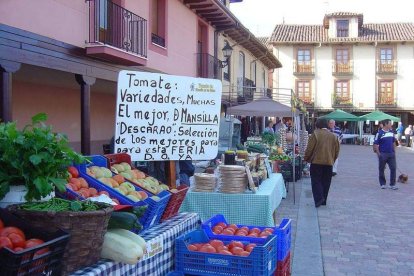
241	74
386	56
303	89
342	56
253	71
226	70
304	57
341	91
386	92
158	14
342	28
304	61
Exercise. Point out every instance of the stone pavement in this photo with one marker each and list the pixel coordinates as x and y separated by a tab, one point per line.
363	230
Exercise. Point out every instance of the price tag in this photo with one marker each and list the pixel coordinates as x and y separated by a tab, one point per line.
154	247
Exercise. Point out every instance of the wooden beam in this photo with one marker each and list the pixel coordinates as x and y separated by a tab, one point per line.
206	11
7	68
171	174
191	1
85	83
200	6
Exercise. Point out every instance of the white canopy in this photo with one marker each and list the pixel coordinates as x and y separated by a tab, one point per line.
261	107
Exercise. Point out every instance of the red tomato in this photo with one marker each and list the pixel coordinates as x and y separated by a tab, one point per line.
234	226
1	224
6	242
245	228
236	250
35	242
192	247
222	224
6	231
73	171
253	235
228	232
250	247
216	243
235	244
241	233
255	230
264	234
208	248
244	253
217	229
18	249
223	247
269	230
198	245
17	240
225	252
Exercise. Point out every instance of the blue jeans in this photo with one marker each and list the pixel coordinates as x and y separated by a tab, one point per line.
387	158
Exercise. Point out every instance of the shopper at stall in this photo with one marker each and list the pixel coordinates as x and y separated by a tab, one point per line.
186	171
408	133
280	124
384	147
338	133
400	130
321	153
269	128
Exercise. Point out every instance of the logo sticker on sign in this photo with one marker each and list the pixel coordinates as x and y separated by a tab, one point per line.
165	117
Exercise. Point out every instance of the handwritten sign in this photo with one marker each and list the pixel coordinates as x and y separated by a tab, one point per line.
166	117
154	247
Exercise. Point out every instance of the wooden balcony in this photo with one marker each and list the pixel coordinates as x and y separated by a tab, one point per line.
386	101
341	102
116	34
342	69
388	67
304	69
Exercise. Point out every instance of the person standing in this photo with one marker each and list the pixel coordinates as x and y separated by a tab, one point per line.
400	130
280	124
321	153
269	128
408	133
338	133
384	147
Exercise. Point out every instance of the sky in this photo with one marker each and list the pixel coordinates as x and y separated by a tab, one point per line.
261	16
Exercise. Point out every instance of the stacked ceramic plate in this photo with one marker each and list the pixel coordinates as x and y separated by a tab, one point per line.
233	179
204	182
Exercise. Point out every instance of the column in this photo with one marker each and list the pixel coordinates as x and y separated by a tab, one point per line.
85	83
7	68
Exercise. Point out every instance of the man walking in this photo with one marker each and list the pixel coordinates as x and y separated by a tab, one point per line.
338	133
384	147
321	153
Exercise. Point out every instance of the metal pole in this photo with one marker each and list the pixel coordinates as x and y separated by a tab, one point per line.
294	144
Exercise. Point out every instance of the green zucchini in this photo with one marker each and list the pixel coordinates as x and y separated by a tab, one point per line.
124	220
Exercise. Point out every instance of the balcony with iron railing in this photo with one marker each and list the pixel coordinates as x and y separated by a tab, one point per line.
245	91
304	68
116	34
387	67
307	101
342	69
341	101
208	66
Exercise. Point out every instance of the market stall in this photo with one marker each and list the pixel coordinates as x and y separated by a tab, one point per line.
249	208
159	259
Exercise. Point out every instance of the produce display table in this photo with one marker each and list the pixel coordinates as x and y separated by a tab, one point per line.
247	208
163	236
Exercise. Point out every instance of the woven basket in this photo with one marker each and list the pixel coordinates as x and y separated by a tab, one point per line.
86	229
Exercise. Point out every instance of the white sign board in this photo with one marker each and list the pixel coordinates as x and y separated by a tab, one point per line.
166	117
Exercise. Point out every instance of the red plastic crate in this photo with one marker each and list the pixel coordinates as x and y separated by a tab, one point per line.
176	199
283	267
175	202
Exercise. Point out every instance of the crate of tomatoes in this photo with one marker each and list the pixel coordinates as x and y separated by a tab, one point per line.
27	250
197	254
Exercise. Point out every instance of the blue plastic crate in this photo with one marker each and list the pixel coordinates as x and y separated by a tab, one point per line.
260	262
210	223
284	238
155	208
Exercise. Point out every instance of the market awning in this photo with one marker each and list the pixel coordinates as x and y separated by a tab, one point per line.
378	116
340	115
261	107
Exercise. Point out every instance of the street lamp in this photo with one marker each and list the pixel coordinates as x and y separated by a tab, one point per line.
227	50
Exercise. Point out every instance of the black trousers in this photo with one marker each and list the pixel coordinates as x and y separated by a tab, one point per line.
321	176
